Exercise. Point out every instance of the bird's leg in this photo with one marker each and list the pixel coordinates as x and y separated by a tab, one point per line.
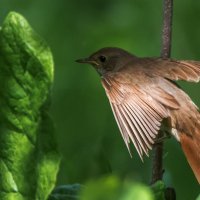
165	135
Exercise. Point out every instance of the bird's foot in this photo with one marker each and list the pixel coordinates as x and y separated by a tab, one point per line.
161	137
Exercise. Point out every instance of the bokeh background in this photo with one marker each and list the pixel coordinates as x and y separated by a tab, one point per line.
88	137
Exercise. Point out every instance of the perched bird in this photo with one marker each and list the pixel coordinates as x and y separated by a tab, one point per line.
142	93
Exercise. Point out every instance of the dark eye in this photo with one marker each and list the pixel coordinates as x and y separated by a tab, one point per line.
102	59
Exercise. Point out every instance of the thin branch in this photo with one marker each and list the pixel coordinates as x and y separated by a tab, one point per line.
157	164
167	28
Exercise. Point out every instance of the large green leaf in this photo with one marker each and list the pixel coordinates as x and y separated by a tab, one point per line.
29	159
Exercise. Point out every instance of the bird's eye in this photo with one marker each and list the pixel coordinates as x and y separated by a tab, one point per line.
102	59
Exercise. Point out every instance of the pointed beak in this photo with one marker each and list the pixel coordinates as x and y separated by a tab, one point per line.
87	60
83	60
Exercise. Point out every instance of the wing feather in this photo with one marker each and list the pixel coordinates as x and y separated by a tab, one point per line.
141	126
132	130
143	119
120	125
177	70
125	128
138	115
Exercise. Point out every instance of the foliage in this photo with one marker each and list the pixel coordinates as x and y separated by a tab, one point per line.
198	198
159	190
66	192
109	188
28	156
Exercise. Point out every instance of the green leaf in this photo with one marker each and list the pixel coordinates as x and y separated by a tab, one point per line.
29	160
111	187
159	190
66	192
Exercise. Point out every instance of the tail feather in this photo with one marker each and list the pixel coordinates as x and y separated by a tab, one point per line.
191	148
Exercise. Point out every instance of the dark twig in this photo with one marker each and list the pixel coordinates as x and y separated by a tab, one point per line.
167	28
157	166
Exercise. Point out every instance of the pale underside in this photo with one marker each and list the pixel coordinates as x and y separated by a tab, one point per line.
141	103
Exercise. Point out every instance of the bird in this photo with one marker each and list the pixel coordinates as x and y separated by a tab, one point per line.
143	95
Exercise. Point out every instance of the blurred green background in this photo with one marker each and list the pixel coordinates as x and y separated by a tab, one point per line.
87	134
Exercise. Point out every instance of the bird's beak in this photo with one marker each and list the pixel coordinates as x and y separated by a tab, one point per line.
88	61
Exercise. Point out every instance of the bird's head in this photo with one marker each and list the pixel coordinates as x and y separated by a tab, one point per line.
107	59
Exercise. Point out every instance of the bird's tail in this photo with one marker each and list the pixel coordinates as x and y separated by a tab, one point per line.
191	148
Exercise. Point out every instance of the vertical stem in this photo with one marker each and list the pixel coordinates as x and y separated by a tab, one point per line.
157	165
167	28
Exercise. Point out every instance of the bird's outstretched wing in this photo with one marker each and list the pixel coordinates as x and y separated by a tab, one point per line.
138	113
176	70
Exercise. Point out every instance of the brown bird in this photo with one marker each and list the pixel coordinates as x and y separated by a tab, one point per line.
142	93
